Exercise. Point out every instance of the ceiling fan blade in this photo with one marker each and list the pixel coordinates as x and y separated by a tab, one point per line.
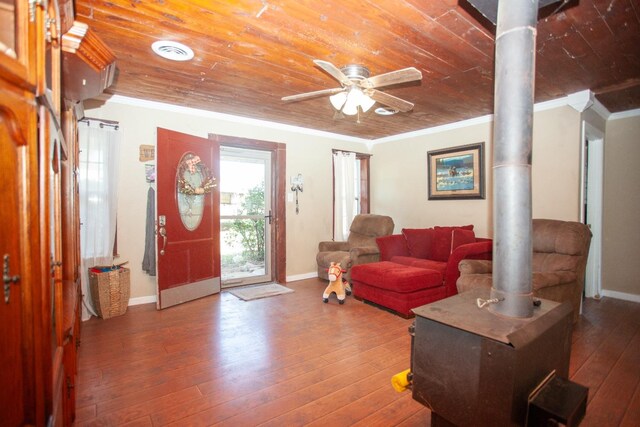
390	100
394	77
334	72
307	95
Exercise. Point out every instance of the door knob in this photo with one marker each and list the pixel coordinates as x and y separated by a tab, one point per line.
163	233
8	279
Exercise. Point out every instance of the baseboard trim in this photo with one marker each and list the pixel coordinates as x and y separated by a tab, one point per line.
621	295
142	300
152	298
297	277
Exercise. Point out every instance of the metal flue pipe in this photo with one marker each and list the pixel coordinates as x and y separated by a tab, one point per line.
513	128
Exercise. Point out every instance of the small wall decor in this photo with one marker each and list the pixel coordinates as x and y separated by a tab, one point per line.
456	173
150	173
296	185
147	153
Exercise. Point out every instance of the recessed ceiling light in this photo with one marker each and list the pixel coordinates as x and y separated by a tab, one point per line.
173	51
383	111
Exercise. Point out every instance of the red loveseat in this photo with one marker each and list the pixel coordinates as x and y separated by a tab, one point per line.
417	267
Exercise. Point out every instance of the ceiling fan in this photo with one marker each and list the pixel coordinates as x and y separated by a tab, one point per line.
358	91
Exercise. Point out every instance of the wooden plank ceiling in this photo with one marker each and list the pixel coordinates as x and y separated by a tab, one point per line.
251	53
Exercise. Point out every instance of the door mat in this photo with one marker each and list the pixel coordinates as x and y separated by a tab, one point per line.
260	291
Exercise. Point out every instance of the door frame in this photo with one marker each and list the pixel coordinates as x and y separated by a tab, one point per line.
592	196
278	190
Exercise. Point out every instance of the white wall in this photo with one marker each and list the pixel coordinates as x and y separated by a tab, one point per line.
620	231
399	182
557	164
399	170
307	153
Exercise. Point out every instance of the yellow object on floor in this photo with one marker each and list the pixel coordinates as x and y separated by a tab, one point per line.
400	381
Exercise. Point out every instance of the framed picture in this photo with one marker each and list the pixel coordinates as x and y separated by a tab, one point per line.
456	173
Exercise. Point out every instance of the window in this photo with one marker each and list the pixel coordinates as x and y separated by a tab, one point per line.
99	143
350	190
96	176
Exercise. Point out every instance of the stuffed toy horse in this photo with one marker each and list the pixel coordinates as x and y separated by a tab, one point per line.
336	284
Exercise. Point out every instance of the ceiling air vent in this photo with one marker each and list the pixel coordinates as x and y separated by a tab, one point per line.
385	111
173	51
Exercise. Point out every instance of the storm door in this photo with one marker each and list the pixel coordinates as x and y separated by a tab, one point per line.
245	216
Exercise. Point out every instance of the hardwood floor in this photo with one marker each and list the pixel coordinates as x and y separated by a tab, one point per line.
292	360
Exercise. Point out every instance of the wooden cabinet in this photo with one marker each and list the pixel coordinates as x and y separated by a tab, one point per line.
24	319
21	291
39	218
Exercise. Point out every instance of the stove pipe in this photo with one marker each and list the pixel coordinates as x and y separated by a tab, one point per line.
513	128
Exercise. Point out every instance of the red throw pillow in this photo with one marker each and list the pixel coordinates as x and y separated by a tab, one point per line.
451	228
419	241
441	243
460	236
392	245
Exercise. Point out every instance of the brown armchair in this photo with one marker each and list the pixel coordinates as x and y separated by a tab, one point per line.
360	247
560	251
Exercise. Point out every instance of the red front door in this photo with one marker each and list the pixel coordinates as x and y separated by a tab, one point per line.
187	217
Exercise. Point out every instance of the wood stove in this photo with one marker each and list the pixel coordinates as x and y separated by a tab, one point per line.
472	367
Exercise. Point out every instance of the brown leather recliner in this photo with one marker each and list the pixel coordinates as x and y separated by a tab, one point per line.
360	247
560	251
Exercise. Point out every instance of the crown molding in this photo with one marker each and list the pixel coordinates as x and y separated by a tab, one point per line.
600	109
436	129
584	100
88	65
580	101
540	106
625	114
143	103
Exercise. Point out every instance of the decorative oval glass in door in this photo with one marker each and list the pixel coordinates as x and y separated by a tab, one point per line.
193	182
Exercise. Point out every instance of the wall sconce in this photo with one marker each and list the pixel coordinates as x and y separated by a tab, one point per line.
296	185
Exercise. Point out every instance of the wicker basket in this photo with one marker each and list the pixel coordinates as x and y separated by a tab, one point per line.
110	291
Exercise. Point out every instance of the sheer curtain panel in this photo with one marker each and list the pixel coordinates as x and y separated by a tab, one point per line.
98	185
344	167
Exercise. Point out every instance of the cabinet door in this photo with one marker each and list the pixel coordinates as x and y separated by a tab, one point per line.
50	233
14	114
17	53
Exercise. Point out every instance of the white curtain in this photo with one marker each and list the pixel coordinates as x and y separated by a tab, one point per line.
98	186
344	167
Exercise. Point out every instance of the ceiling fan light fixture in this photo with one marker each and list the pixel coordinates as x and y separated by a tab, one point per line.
338	100
354	99
350	109
355	95
366	103
355	72
173	51
358	92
